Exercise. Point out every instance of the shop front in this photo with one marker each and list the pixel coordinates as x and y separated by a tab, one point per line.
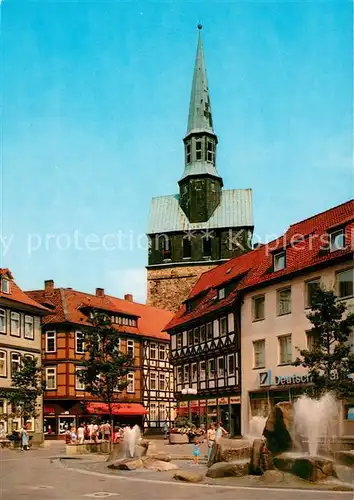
60	417
276	389
203	412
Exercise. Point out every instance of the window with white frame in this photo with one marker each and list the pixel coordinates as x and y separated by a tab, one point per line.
258	307
196	335
51	378
79	385
345	283
279	261
162	412
221	367
310	341
50	341
2	321
130	348
162	352
186	374
221	293
337	240
311	289
259	353
15	324
152	350
202	371
211	368
202	334
179	374
3	363
15	362
130	379
152	381
161	381
153	411
223	326
79	343
284	301
179	340
285	349
190	337
231	365
194	372
29	327
209	331
5	285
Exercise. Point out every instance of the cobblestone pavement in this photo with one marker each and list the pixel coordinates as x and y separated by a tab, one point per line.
33	475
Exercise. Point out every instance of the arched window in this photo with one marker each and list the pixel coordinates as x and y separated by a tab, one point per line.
166	247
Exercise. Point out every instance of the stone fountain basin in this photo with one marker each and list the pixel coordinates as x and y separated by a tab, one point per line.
310	468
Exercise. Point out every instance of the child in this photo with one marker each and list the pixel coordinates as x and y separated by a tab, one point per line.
196	451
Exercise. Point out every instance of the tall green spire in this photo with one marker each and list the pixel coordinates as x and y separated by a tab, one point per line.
200	119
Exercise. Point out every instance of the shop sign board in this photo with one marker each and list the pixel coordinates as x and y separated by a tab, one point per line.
211	402
223	401
183	404
194	403
202	403
265	379
235	400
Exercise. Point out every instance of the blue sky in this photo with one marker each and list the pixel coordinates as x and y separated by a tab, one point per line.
95	101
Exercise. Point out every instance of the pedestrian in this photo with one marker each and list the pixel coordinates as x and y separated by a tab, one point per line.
24	438
68	436
196	451
91	431
165	430
107	431
73	435
220	431
211	435
81	434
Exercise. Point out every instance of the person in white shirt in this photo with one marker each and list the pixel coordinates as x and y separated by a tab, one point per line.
81	434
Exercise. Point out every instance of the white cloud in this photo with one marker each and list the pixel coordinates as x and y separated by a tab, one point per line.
122	281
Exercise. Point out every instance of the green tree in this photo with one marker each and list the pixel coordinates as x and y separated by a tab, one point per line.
330	360
104	367
28	386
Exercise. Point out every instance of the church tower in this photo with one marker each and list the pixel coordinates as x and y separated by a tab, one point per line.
204	225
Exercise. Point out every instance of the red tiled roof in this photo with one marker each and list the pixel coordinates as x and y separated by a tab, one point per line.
69	305
17	295
304	243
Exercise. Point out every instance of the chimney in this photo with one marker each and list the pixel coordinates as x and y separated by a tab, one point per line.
128	297
99	292
48	287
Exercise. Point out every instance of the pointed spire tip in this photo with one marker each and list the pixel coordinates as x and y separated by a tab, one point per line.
200	26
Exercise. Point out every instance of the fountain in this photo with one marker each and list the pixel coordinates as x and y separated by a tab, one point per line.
316	421
131	438
256	427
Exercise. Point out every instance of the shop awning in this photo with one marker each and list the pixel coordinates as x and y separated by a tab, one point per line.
117	409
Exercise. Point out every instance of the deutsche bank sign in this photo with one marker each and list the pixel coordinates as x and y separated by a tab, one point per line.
265	379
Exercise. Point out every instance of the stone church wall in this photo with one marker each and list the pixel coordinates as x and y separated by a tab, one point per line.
168	288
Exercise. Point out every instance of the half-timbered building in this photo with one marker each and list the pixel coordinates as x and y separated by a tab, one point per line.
138	326
205	347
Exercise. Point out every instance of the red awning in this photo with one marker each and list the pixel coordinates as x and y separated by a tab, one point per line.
117	409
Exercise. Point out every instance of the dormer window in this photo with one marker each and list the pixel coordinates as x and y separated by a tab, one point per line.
207	248
279	261
337	240
198	150
221	293
5	285
188	153
211	152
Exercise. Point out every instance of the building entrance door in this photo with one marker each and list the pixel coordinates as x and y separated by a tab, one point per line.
235	428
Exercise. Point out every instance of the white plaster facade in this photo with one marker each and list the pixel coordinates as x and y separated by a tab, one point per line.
269	329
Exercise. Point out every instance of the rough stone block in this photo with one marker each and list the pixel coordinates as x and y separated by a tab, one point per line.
126	464
227	469
159	465
310	468
188	477
178	438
